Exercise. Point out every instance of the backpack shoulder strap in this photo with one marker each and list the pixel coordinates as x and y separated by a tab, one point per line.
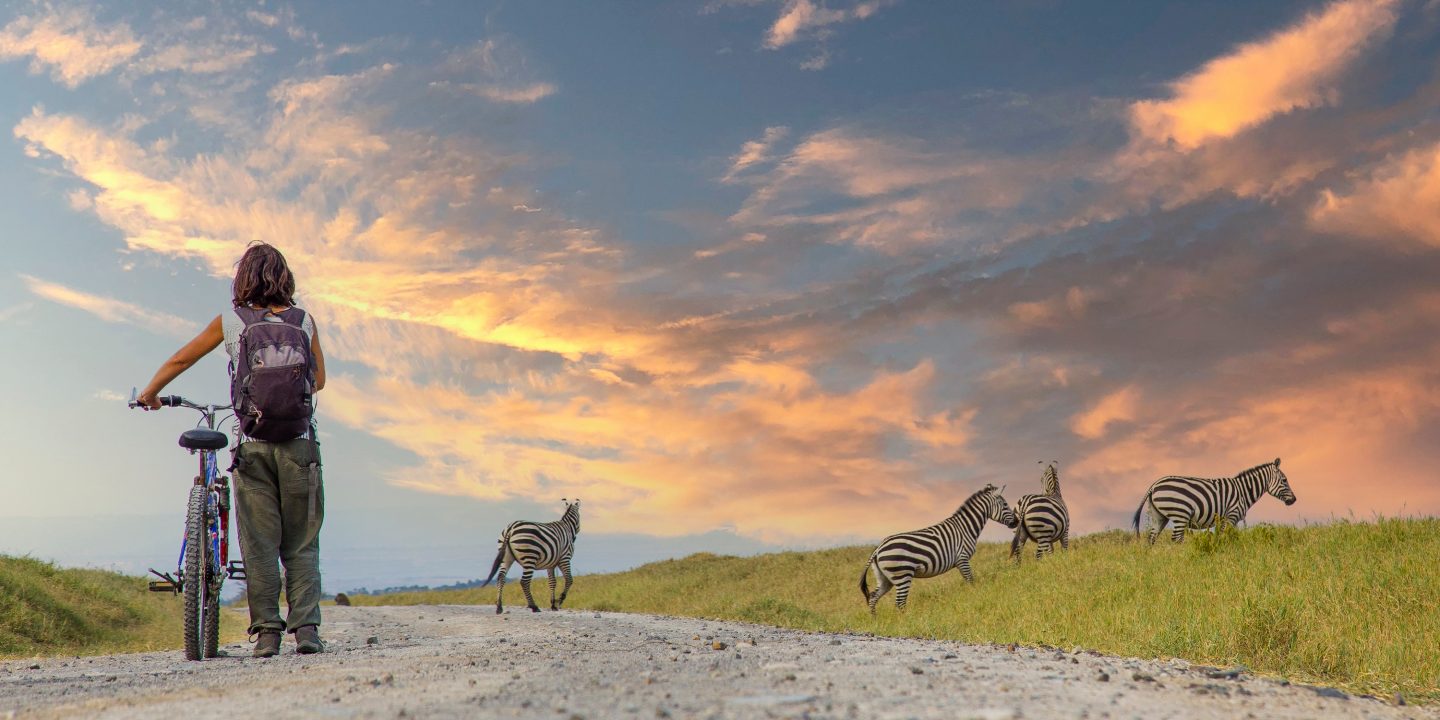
249	316
292	316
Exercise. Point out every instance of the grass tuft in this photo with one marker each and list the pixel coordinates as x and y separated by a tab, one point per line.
1346	604
45	610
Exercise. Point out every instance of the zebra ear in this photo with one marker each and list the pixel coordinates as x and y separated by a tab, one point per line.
1277	462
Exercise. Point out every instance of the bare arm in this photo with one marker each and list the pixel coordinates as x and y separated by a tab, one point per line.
208	339
319	360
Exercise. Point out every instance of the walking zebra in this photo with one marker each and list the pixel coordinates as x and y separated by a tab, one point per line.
1043	518
537	546
1195	503
933	550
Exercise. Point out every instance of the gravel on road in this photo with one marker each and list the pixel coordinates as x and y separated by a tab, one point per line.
466	662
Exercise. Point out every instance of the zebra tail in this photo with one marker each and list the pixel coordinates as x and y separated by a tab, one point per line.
499	557
865	578
1135	523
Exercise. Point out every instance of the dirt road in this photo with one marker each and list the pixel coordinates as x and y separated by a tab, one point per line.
464	662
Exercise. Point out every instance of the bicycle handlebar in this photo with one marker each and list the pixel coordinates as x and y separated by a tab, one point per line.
173	401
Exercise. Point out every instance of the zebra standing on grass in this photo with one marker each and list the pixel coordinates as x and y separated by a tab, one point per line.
537	546
1197	503
933	550
1043	518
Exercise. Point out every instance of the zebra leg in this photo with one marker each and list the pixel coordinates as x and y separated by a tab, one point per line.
500	592
902	591
1154	523
882	586
553	606
1043	548
964	566
525	585
1177	532
565	570
1065	539
1017	544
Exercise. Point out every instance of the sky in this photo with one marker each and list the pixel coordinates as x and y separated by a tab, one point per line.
740	274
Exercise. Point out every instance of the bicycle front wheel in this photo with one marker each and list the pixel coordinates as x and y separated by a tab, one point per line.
197	586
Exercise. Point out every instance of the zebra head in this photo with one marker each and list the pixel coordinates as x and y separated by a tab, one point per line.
999	510
1277	484
572	513
1051	479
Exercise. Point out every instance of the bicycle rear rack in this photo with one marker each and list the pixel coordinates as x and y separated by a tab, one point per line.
235	570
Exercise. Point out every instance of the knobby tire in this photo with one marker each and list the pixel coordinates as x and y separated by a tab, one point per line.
196	587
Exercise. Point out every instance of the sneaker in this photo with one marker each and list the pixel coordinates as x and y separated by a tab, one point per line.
307	640
268	645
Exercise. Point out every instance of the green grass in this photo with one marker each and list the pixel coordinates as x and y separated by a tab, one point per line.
1347	604
45	610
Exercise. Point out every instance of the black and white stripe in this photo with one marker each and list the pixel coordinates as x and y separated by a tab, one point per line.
1043	518
1189	503
933	550
537	546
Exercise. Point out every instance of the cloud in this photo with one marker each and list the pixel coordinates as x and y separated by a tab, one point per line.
495	69
1397	201
878	191
523	95
70	44
755	152
1119	406
76	47
1294	68
14	311
110	309
802	18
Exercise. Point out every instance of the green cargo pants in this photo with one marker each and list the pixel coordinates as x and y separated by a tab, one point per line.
280	505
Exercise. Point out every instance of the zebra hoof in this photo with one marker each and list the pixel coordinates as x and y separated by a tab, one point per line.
499	610
553	606
534	609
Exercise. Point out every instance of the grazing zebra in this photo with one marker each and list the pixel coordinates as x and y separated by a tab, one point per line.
1195	503
537	546
933	550
1042	518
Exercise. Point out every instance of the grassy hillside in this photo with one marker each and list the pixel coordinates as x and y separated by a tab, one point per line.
1346	604
45	610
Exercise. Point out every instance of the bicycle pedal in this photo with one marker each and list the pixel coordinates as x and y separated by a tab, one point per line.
163	586
235	570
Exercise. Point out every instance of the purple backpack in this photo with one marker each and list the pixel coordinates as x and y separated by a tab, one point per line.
272	378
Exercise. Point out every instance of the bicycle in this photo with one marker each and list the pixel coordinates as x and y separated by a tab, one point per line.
204	562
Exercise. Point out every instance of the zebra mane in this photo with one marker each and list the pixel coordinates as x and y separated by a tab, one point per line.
1254	470
974	498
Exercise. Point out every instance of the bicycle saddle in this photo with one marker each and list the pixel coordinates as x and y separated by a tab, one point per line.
202	439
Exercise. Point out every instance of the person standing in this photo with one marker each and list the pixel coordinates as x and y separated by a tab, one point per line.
276	367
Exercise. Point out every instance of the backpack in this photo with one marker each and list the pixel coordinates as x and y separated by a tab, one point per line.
272	377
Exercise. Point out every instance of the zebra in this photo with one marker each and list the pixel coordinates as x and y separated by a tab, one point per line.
537	546
1043	518
933	550
1193	503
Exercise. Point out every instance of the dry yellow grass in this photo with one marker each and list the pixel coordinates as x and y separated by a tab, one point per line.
1346	604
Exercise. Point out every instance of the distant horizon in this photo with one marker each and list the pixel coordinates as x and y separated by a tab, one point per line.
616	552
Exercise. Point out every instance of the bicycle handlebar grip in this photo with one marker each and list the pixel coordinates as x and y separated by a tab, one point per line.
171	401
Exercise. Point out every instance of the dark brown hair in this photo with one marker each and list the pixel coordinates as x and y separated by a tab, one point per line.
263	279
